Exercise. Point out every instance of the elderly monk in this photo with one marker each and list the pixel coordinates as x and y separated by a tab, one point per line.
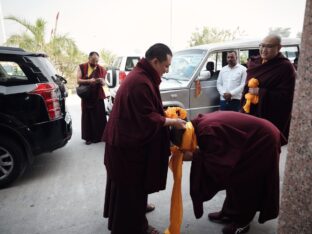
93	117
238	153
276	76
137	144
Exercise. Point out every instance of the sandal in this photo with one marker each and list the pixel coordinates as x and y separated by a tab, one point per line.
151	230
149	208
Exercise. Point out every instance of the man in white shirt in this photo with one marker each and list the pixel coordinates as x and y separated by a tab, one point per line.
230	83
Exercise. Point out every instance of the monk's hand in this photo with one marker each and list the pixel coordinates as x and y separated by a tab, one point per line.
187	156
92	81
179	123
227	96
102	81
254	91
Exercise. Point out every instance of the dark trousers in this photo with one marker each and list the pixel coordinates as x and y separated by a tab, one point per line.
233	105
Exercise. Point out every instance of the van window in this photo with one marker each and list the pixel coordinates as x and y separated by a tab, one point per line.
245	54
131	62
184	64
216	58
219	60
291	52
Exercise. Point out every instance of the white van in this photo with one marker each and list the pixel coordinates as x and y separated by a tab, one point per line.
202	64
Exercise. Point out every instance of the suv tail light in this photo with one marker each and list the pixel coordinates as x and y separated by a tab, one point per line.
122	76
48	92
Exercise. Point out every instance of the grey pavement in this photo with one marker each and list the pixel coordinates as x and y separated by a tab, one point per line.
63	193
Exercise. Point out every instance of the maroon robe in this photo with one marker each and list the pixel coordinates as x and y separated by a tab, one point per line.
136	151
238	153
93	117
276	82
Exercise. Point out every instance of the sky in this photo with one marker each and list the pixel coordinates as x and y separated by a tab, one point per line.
131	26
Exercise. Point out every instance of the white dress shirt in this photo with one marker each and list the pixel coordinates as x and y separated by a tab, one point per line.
232	80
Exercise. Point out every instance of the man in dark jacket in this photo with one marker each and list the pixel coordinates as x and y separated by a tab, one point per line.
276	76
238	153
137	144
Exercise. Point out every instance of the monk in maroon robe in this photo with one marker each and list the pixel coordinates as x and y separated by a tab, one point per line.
276	76
238	153
93	117
137	144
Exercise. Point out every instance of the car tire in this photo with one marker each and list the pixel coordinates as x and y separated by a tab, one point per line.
12	162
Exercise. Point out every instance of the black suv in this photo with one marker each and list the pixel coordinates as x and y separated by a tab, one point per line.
33	116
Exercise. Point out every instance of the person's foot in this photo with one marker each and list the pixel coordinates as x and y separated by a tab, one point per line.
151	230
88	142
235	228
149	208
218	217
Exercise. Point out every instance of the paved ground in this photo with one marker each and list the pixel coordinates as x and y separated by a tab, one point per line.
63	193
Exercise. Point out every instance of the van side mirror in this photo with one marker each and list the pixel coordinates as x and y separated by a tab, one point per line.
204	75
111	78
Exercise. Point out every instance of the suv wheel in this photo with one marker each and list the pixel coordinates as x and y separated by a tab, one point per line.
11	161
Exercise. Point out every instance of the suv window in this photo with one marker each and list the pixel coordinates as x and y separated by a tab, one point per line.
10	71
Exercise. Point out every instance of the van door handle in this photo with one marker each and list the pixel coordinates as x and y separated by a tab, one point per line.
174	95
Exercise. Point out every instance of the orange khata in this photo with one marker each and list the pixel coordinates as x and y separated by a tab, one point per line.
189	143
251	98
176	112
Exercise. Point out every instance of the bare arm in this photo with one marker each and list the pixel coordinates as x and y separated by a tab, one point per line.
83	81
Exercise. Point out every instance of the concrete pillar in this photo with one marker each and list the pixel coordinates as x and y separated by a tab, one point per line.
296	203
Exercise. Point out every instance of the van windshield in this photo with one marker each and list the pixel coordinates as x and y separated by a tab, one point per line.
184	64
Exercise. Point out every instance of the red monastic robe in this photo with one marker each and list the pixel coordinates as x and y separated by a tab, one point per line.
277	83
238	153
136	151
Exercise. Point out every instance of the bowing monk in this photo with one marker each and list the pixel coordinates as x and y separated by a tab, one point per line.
137	144
276	76
237	153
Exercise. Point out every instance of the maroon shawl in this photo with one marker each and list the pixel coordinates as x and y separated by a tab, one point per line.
137	143
277	83
239	153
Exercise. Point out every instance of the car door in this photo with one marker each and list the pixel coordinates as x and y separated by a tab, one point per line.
209	99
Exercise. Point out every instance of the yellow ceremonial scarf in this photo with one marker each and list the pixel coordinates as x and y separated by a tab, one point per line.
90	69
189	143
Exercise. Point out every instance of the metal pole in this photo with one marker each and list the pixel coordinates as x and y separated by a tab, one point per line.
2	25
170	23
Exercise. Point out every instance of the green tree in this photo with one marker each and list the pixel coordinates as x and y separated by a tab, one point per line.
62	50
33	41
107	57
211	35
283	32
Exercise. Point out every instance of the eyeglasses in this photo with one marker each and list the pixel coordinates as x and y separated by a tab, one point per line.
269	46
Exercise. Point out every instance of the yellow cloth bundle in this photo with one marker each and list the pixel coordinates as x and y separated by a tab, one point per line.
189	143
251	98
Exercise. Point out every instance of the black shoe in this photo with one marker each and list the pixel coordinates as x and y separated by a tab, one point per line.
149	208
218	217
88	142
235	228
